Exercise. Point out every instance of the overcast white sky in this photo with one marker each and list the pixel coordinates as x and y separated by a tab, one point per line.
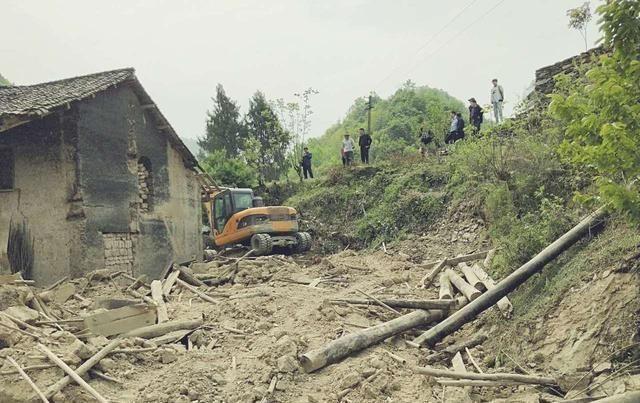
343	48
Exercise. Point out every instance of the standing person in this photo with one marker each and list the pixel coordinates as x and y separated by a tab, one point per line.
475	115
364	141
426	137
306	164
497	98
460	126
348	146
453	129
344	158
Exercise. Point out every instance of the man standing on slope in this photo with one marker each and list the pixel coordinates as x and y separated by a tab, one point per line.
497	98
306	164
347	147
475	115
364	141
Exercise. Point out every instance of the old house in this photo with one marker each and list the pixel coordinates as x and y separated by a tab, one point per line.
98	176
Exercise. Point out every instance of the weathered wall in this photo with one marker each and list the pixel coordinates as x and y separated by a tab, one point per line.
44	153
114	134
545	82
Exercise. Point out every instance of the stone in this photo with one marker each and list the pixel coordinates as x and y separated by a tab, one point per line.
107	365
167	355
287	363
22	313
574	381
193	395
601	367
81	350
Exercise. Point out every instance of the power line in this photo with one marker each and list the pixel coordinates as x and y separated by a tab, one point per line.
430	40
468	27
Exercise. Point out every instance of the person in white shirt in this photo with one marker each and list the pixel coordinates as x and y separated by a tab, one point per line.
497	98
348	146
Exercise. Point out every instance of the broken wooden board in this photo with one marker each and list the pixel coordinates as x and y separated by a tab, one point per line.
169	282
63	292
156	294
121	320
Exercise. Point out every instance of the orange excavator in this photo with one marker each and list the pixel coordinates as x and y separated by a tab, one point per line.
237	216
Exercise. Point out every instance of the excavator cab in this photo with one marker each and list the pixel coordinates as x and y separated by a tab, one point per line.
236	217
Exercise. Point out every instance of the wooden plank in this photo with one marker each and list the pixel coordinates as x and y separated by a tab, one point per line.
169	282
121	320
63	293
156	294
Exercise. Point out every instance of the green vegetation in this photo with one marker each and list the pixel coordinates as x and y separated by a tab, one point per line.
395	124
600	111
4	81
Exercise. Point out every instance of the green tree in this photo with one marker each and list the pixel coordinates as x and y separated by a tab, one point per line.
267	141
4	82
224	130
229	171
579	18
601	114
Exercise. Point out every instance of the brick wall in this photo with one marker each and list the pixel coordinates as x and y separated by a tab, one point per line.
119	251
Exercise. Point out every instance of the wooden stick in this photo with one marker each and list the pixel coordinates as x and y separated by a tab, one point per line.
401	360
473	362
160	329
465	382
451	350
28	379
465	288
536	380
17	329
400	303
429	277
84	368
72	374
21	323
458	259
196	291
382	304
446	291
100	375
29	368
156	294
513	280
57	283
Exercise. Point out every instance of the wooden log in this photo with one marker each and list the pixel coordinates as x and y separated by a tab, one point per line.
530	379
84	368
28	379
466	382
504	305
196	291
401	303
72	374
187	276
465	288
446	291
454	348
164	328
156	294
471	277
351	343
382	304
458	259
512	281
489	258
429	277
169	282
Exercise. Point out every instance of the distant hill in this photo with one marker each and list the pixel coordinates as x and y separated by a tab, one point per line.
4	81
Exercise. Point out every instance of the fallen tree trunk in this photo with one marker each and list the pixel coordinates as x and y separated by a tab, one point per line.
465	288
471	277
446	291
401	303
429	277
346	345
504	305
536	380
160	329
511	282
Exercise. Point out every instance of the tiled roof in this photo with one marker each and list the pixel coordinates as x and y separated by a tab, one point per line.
40	99
27	102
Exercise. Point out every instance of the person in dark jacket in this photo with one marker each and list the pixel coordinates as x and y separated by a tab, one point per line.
306	164
426	137
453	130
461	125
475	115
364	141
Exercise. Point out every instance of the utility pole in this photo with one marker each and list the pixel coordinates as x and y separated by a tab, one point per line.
369	107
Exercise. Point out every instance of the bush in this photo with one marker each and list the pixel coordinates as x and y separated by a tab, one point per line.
229	171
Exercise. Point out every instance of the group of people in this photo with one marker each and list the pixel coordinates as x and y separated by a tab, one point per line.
456	132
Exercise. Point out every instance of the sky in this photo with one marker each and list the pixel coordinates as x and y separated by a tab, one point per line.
342	48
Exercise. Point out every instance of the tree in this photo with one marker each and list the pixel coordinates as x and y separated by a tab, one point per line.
579	18
228	171
600	112
267	142
4	82
224	129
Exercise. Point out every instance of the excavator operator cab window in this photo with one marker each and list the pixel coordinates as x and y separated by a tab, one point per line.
222	210
242	201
